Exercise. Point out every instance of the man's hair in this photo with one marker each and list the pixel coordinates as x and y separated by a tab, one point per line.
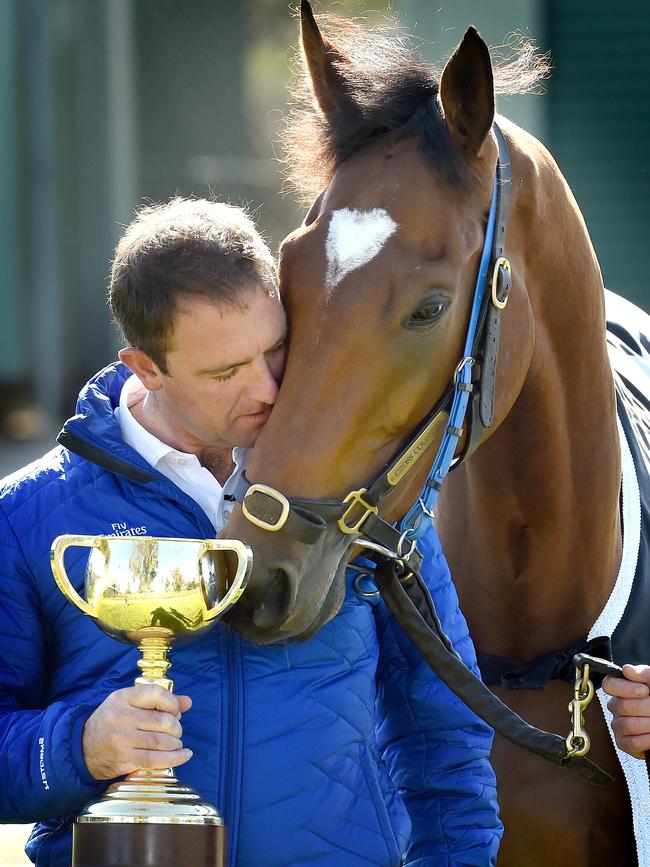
184	248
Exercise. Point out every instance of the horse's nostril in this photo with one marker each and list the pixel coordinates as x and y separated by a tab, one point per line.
275	606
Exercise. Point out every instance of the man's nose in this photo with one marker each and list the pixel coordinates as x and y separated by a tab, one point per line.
264	386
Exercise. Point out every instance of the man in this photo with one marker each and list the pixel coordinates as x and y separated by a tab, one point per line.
284	739
630	705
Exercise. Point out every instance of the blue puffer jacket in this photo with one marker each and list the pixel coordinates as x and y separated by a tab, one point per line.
344	750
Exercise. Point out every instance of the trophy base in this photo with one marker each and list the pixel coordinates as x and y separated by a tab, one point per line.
149	820
109	844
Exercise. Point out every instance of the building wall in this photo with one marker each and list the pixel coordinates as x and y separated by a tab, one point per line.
14	355
599	130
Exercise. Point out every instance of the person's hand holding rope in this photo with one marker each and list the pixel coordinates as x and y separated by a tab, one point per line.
630	705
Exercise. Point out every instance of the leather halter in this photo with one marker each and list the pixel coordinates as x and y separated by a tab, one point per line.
357	514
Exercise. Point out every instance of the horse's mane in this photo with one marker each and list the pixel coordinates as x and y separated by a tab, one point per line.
395	92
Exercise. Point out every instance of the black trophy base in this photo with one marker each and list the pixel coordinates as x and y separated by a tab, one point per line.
147	844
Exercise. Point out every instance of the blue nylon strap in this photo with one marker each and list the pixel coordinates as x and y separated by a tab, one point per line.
417	519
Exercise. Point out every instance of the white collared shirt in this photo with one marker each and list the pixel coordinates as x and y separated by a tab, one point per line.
181	468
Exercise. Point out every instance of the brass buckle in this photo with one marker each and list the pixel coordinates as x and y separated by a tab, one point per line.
274	495
355	498
501	262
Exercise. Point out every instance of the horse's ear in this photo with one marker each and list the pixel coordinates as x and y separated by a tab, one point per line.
467	92
327	83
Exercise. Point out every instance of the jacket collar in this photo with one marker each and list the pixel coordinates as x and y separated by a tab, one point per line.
94	432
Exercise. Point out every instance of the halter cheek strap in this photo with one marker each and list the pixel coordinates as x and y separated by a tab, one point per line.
491	293
486	348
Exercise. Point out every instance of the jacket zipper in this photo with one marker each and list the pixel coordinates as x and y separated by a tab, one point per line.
232	713
231	746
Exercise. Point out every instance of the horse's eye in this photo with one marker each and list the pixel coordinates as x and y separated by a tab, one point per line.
427	314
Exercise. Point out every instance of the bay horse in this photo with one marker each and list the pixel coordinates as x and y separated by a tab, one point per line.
377	287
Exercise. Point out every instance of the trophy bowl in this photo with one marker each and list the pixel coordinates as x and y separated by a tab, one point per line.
152	592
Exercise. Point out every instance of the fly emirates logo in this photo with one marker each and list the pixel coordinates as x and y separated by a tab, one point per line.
121	528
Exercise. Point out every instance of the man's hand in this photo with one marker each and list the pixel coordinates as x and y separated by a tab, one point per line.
137	727
631	708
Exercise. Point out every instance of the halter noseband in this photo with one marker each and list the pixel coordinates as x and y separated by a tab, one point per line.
358	513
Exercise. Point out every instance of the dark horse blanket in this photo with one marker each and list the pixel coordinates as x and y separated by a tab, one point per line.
627	612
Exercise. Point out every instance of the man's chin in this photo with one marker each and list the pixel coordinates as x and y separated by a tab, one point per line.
246	438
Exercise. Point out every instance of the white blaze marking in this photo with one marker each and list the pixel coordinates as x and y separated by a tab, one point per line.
353	239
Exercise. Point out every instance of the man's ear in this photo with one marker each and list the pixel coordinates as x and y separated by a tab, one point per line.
144	367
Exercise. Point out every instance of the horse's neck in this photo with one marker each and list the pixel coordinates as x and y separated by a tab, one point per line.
530	523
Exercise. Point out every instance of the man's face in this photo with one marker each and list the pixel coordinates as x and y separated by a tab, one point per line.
223	371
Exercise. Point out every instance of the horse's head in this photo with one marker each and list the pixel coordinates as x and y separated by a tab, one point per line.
377	284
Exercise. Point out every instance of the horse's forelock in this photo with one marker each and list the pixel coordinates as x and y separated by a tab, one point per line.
394	93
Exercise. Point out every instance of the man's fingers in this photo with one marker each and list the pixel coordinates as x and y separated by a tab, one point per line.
153	697
633	724
156	741
636	747
135	727
185	702
159	759
157	721
638	673
621	687
635	708
632	734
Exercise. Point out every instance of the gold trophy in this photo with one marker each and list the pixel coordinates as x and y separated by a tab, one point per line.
151	592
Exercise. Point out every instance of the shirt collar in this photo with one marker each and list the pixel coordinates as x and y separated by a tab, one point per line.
134	434
241	457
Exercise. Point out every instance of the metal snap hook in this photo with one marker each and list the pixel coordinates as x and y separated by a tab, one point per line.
374	546
400	545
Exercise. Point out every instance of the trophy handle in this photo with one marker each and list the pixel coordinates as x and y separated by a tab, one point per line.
244	568
59	547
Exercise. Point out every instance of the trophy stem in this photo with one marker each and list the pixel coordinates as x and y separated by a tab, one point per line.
150	819
154	662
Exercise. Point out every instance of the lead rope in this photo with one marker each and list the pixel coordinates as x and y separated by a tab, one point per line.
409	602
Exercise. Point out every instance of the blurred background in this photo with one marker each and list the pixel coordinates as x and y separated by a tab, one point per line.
108	103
